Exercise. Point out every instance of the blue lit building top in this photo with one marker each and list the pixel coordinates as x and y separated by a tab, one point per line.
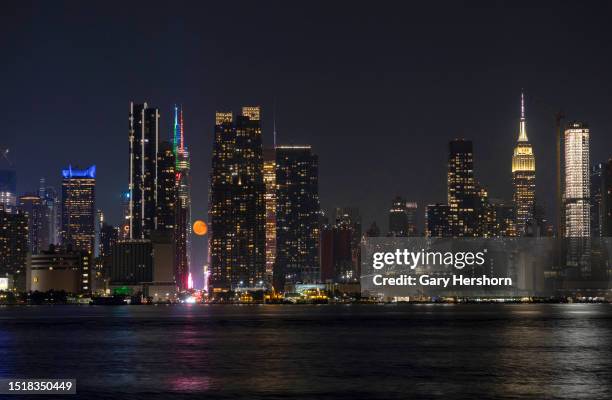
79	173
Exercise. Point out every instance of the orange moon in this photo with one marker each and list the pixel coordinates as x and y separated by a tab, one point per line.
200	228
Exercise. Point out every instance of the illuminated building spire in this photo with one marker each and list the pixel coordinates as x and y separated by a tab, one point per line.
183	215
181	127
177	128
522	128
523	178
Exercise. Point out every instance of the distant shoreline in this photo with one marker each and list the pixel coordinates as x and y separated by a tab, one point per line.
415	303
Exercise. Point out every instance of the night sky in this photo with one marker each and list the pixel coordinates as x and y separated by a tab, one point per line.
377	89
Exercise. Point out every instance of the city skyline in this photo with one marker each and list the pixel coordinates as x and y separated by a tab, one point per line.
179	159
115	209
306	200
334	99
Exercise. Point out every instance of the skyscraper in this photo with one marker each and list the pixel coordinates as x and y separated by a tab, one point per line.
51	215
460	186
182	234
166	187
503	218
78	208
577	194
13	245
349	217
467	200
605	210
269	175
297	213
597	186
523	177
143	137
398	220
32	205
169	212
125	211
577	181
411	213
8	189
326	253
237	209
109	235
402	217
336	254
438	220
485	213
98	222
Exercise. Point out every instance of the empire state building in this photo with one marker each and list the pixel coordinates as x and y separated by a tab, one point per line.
523	177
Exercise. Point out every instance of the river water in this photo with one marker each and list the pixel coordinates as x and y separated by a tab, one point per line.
530	351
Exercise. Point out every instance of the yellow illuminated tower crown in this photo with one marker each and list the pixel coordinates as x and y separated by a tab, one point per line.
523	176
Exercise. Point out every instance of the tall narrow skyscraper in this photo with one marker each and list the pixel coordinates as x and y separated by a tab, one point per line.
237	208
597	185
78	208
109	235
269	172
461	185
166	188
470	213
143	137
13	245
577	195
51	215
523	177
577	181
605	210
297	214
182	236
124	227
33	207
467	200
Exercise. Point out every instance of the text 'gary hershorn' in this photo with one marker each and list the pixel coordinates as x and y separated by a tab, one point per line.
410	259
426	280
